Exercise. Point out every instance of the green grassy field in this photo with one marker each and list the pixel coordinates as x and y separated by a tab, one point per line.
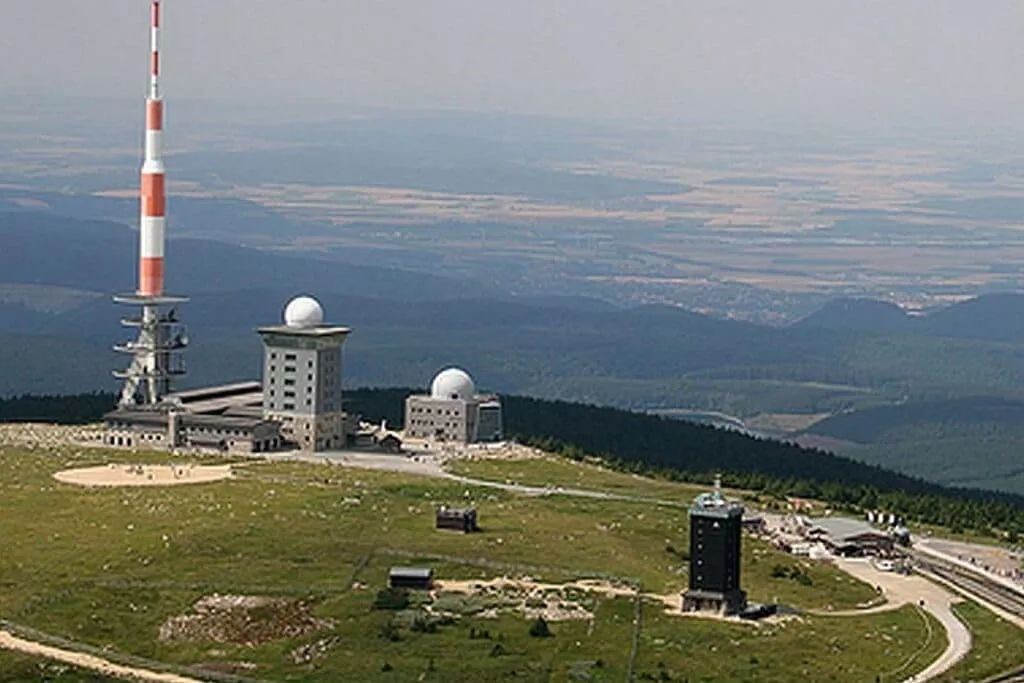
554	471
108	567
889	646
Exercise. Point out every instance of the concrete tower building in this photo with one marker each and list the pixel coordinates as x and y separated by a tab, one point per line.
453	411
155	358
715	535
302	377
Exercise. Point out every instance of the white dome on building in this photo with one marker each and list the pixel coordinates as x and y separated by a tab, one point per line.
453	383
303	311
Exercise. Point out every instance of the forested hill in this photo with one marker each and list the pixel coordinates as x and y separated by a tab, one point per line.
636	441
989	317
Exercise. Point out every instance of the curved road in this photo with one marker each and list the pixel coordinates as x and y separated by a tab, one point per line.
900	590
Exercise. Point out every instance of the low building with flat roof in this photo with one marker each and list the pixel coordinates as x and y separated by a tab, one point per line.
849	537
456	519
164	427
415	578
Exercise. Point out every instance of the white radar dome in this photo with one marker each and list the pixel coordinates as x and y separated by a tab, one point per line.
303	311
453	383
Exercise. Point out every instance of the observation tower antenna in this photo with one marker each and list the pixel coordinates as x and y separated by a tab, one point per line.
155	352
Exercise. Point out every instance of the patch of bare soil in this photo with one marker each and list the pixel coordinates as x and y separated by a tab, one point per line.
144	475
243	619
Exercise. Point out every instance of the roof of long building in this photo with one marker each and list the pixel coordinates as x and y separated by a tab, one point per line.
225	404
844	528
217	391
412	572
156	418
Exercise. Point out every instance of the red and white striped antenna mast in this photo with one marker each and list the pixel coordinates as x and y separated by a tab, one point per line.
155	359
152	225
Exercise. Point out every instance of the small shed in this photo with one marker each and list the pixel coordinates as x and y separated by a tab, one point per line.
456	519
416	578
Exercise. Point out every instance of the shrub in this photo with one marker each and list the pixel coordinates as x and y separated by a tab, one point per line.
422	624
540	629
389	632
391	599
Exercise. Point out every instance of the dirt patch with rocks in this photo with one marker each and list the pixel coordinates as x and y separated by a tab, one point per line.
243	619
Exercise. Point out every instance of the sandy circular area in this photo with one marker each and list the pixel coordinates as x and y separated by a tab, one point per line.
144	475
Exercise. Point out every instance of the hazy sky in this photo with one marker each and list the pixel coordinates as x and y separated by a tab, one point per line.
862	61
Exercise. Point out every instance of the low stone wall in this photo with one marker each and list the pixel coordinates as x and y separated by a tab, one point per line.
40	435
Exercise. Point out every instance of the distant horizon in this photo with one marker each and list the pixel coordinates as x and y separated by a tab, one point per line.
299	110
827	63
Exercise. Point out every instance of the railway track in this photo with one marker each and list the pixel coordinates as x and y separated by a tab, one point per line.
976	585
973	584
1016	676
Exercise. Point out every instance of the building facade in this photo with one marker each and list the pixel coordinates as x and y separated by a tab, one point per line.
715	537
158	428
302	377
454	412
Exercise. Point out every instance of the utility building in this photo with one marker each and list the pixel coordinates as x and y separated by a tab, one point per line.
453	411
715	534
456	519
302	377
416	578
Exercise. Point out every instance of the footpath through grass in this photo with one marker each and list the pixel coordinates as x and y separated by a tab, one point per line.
554	471
18	668
108	567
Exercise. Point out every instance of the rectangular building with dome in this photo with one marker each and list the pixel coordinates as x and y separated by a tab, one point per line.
302	377
453	412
